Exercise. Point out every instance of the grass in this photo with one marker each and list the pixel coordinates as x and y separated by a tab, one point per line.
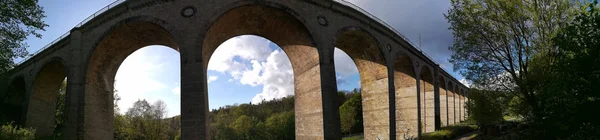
355	137
451	132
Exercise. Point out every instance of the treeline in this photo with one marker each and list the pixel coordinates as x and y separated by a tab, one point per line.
274	120
268	120
537	62
146	121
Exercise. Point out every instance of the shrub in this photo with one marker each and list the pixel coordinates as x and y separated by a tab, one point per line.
10	131
450	132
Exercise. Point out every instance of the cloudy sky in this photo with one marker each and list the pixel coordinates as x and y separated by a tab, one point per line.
247	68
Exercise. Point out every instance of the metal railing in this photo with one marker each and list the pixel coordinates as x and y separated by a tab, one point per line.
351	5
106	8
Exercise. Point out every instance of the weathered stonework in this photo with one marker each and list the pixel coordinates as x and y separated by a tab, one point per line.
307	31
42	103
374	78
456	103
406	98
427	101
451	106
443	101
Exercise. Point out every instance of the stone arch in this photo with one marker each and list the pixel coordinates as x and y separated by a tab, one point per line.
443	86
51	61
426	78
41	105
463	103
459	104
13	100
456	92
217	14
278	25
367	55
467	100
405	84
451	103
104	60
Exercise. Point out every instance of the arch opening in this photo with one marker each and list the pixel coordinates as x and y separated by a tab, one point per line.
103	64
466	103
12	103
462	105
405	83
146	94
289	33
364	51
350	94
456	104
427	100
452	104
47	97
250	84
443	101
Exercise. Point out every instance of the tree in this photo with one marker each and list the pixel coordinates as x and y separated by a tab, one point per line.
243	126
496	40
122	130
485	108
281	126
570	84
158	124
18	20
351	115
145	121
59	115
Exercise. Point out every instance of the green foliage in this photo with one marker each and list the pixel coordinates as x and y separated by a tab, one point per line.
495	42
10	131
145	121
357	137
266	120
518	108
544	56
178	136
351	115
18	20
59	115
275	120
568	80
450	132
485	107
243	127
281	126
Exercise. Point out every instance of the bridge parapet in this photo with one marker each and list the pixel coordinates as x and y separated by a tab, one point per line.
64	35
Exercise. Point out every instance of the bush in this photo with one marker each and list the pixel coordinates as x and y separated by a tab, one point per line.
14	132
450	132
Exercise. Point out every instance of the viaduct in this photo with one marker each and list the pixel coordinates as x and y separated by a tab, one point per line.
404	93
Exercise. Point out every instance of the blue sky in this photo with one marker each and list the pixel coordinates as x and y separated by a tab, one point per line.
253	68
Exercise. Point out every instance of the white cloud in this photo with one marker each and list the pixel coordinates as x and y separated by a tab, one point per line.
245	47
277	78
258	65
252	77
465	82
270	69
343	64
212	78
176	90
137	74
137	77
